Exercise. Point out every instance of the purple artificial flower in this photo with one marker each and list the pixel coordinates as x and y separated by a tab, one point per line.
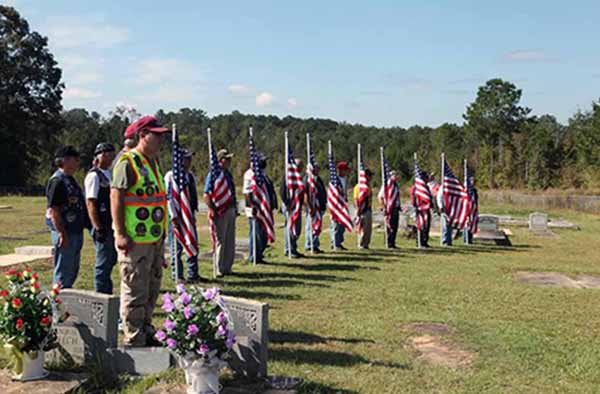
185	298
160	335
203	349
230	341
221	331
180	288
210	294
188	312
192	329
166	297
221	317
169	325
168	306
171	343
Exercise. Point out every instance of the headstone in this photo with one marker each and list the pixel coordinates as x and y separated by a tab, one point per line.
538	221
91	328
251	325
403	222
488	223
140	360
46	251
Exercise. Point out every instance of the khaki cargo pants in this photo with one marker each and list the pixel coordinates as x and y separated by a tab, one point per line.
141	273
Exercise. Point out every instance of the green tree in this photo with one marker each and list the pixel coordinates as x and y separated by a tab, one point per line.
493	118
30	100
544	153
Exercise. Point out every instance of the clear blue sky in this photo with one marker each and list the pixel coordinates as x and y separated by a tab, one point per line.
378	63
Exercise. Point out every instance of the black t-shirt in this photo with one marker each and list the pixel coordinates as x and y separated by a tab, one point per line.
57	193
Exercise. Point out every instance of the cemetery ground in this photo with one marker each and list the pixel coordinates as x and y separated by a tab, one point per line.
346	322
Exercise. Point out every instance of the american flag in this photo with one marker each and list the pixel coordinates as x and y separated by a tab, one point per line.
183	229
391	193
422	196
317	219
219	192
336	200
474	212
363	189
456	199
260	196
295	190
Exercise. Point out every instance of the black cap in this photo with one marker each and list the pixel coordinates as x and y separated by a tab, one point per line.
103	147
66	151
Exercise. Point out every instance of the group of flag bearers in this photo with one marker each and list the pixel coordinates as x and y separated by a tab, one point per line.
303	193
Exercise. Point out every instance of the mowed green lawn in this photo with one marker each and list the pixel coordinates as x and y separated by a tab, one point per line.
336	320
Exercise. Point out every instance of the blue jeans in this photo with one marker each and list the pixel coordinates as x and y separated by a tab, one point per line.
261	241
293	240
446	232
106	258
337	234
467	236
308	230
66	259
175	251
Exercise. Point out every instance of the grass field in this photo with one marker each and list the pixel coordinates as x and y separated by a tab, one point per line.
337	320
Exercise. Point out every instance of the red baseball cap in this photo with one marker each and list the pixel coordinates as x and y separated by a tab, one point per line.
148	123
342	165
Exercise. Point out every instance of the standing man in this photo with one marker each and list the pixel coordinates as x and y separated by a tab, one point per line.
66	216
421	200
138	204
391	209
224	224
364	215
321	197
337	229
261	236
472	226
97	194
290	243
128	145
447	229
175	247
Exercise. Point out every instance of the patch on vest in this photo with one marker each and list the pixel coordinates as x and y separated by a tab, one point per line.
158	214
140	229
155	230
142	214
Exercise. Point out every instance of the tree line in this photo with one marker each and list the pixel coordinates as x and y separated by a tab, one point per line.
504	144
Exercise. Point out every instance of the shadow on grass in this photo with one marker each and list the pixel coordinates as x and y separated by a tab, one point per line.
327	267
264	275
319	388
327	357
277	336
275	283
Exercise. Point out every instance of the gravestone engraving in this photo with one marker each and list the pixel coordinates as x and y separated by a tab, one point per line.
488	223
538	221
251	326
91	328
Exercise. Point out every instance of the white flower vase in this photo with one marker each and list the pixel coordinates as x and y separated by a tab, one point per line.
32	367
201	376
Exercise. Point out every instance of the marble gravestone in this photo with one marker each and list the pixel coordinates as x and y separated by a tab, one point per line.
488	224
91	328
488	230
251	326
538	222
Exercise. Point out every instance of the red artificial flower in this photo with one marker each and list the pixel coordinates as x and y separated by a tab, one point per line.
3	293
45	321
58	301
36	286
19	324
11	275
34	277
28	269
16	303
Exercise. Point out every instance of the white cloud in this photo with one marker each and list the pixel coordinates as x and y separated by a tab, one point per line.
265	99
238	90
526	56
292	102
79	93
69	33
155	71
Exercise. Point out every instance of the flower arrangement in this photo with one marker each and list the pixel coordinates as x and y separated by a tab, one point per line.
197	325
28	313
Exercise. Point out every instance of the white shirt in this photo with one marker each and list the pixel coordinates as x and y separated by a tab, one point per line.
92	183
247	185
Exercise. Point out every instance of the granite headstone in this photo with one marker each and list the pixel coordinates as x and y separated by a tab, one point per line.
538	221
488	223
91	328
251	325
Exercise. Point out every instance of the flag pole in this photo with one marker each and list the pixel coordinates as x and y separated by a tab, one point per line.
466	239
383	186
173	247
287	213
332	224
253	221
417	212
443	207
210	153
358	180
310	218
